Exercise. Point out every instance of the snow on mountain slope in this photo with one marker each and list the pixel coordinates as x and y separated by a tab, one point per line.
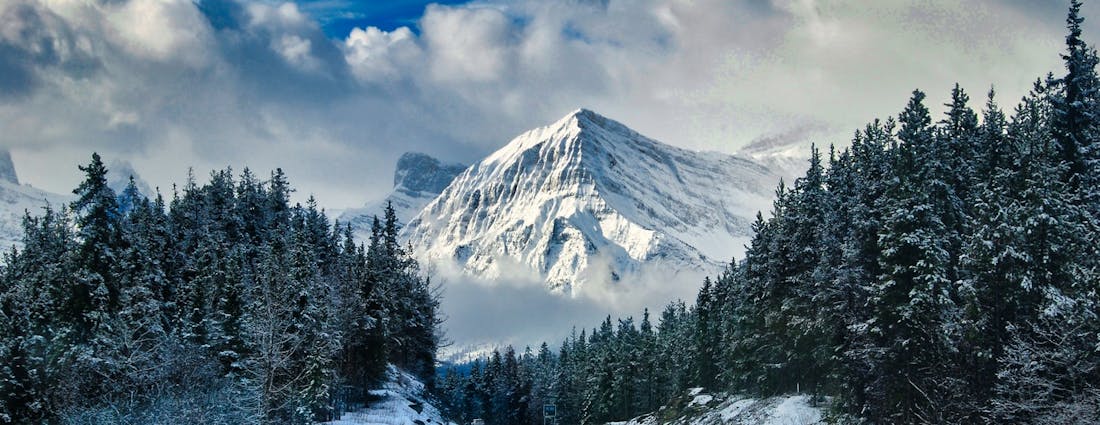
18	199
586	200
417	180
402	400
785	154
722	409
15	201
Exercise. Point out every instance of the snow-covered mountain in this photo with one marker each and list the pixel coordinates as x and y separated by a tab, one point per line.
119	173
417	180
18	199
15	201
586	200
788	154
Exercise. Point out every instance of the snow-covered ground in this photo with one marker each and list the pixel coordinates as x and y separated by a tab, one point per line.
722	409
402	401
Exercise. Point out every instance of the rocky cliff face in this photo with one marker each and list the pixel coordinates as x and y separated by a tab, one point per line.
7	168
417	180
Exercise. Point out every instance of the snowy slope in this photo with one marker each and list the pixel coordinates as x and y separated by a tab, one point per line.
402	400
787	156
15	201
721	409
588	200
417	180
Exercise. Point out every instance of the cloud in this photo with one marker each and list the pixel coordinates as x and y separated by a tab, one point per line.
519	311
169	84
34	42
469	44
376	56
162	31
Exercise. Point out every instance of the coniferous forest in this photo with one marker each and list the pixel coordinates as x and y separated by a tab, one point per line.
225	304
937	270
941	270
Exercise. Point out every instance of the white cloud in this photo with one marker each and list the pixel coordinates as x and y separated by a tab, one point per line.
283	15
473	307
296	51
162	30
376	56
221	82
467	43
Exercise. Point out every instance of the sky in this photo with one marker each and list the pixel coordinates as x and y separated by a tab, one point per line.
333	91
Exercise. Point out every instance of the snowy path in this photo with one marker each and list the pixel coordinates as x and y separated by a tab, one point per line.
706	409
400	402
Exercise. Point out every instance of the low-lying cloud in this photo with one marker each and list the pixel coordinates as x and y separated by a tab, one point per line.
518	309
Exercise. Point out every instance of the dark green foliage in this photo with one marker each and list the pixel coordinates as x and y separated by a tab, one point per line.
229	295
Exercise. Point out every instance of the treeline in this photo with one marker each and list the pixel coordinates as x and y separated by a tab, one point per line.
932	272
618	371
225	305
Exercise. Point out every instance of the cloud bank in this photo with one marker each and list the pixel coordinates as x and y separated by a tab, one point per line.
518	309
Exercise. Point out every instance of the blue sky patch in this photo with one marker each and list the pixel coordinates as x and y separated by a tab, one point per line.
339	17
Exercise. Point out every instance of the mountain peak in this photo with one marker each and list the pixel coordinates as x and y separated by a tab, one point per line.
417	179
586	114
585	119
586	200
417	172
579	135
118	178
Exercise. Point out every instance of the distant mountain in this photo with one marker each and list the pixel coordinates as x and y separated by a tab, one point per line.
589	200
786	154
15	201
119	173
417	180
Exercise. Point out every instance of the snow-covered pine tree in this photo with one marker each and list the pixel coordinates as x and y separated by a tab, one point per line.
910	293
1075	109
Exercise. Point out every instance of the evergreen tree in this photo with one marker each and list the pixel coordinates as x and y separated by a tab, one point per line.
1075	107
